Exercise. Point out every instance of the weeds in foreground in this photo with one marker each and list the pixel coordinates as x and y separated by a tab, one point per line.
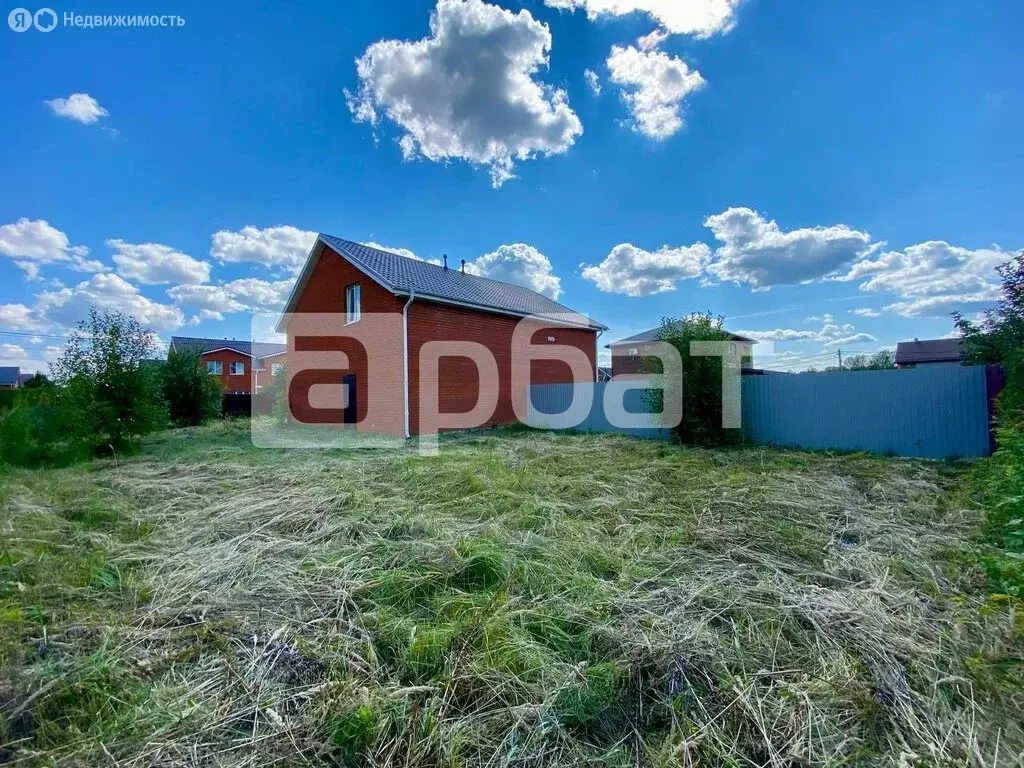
521	599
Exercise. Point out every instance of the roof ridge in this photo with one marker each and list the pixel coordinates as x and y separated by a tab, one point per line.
441	267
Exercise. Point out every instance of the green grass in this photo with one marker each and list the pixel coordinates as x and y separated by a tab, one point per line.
522	599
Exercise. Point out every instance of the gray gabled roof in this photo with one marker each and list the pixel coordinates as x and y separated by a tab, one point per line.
929	351
9	376
655	333
402	275
257	349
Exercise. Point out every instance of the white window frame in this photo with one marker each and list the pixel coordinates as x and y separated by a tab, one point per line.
353	304
239	373
276	369
215	367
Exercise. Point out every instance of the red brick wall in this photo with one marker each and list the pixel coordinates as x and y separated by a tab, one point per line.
459	379
228	382
380	392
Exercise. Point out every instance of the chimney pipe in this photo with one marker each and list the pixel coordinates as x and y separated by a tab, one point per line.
445	256
463	268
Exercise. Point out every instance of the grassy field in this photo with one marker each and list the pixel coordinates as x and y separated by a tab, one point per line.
523	599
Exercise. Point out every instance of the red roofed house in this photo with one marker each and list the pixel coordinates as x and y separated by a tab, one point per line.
391	308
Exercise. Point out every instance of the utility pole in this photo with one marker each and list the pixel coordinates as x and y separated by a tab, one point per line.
840	358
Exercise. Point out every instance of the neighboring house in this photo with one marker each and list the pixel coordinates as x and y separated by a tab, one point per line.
628	353
392	306
10	377
929	352
243	367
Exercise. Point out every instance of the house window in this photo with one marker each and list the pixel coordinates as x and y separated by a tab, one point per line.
352	304
276	369
216	367
238	369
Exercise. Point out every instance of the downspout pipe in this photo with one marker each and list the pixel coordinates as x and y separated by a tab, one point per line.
405	357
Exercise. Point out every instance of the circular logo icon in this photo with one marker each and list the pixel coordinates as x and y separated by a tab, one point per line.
45	19
20	19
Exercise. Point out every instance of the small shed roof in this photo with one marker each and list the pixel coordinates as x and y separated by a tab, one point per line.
655	333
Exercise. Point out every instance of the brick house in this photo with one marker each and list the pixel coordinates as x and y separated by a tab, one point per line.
389	310
243	367
927	353
628	354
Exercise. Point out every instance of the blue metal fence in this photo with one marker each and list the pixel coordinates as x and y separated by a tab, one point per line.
582	407
933	412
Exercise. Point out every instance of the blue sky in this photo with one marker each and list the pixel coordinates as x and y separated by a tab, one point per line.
830	175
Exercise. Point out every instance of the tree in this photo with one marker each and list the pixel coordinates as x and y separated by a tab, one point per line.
701	385
112	397
999	336
193	395
38	381
880	361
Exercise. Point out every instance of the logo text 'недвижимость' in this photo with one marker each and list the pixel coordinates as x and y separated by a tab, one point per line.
47	20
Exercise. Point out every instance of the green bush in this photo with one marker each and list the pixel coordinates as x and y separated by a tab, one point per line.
39	434
701	384
108	385
193	395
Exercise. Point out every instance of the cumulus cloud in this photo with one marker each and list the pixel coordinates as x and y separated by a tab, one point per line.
757	252
9	351
593	81
67	306
631	270
468	90
32	242
830	334
929	268
283	247
521	264
80	107
400	251
701	18
153	263
214	301
18	317
654	86
866	312
945	305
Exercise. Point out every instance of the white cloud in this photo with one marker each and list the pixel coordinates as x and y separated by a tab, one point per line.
831	334
80	107
18	317
929	268
400	251
284	246
520	264
633	271
866	312
467	91
701	18
67	306
32	242
153	263
593	81
757	252
653	85
214	301
944	305
10	351
856	338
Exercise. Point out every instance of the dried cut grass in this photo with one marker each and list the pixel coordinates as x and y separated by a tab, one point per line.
520	600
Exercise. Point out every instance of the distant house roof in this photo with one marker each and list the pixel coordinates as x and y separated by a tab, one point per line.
403	275
655	333
258	349
9	376
929	351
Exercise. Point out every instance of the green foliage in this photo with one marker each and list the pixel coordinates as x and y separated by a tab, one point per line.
106	385
882	360
701	385
193	395
277	395
1003	484
39	433
39	381
352	734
